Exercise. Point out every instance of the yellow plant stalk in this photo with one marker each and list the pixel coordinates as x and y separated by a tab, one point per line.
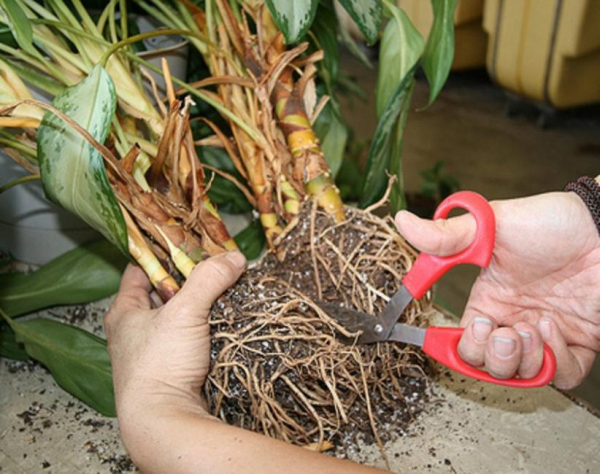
12	89
310	164
145	257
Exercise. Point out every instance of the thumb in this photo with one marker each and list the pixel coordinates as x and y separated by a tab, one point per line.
133	291
208	281
441	237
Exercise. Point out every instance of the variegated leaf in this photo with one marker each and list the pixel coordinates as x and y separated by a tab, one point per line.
72	170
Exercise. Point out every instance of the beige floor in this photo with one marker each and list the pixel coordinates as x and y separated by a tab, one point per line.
488	152
469	427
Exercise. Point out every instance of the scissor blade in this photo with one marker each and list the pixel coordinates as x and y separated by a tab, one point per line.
353	321
392	312
408	334
374	329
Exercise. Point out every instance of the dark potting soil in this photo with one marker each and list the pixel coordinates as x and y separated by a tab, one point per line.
278	365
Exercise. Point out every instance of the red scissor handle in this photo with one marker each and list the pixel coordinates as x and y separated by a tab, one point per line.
441	343
428	269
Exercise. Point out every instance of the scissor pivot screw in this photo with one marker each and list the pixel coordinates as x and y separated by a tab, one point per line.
378	329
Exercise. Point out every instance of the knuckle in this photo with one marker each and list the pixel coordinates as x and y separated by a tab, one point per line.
218	270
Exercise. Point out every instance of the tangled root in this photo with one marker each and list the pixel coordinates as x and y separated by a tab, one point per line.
278	367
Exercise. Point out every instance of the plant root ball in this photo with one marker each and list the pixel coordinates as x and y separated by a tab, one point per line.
278	366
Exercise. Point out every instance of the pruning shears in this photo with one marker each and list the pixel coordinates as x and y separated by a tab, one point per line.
440	343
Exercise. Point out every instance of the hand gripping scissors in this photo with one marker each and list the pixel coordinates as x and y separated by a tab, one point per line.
440	343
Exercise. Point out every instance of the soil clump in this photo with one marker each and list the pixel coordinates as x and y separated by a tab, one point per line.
278	364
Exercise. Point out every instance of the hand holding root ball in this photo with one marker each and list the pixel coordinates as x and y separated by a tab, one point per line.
160	359
163	354
541	285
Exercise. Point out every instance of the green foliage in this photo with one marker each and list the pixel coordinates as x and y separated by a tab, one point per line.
251	241
45	83
437	183
439	52
19	25
350	178
6	36
333	134
293	18
385	151
84	274
9	347
400	49
77	359
72	171
401	53
367	14
324	34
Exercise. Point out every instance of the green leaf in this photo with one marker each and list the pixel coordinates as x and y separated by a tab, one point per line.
84	274
19	24
9	347
77	359
251	241
384	154
333	135
401	48
397	196
72	171
439	52
6	36
350	180
324	32
293	17
33	77
226	195
367	14
353	46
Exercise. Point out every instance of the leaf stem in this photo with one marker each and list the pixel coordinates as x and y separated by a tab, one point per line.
141	37
16	182
252	132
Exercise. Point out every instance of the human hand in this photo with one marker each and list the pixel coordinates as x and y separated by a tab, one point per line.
160	359
161	356
541	285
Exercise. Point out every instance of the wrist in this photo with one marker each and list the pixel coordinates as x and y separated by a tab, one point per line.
587	189
150	399
153	434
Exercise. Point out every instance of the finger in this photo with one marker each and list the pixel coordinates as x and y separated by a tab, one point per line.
133	291
503	353
440	237
208	281
532	353
474	340
572	363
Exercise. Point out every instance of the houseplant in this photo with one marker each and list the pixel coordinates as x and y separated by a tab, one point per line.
286	360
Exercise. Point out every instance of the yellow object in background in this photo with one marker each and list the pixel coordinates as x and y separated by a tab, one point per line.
545	50
471	40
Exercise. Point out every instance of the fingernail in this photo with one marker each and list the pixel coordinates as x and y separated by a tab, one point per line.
504	347
236	258
545	329
525	340
482	327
